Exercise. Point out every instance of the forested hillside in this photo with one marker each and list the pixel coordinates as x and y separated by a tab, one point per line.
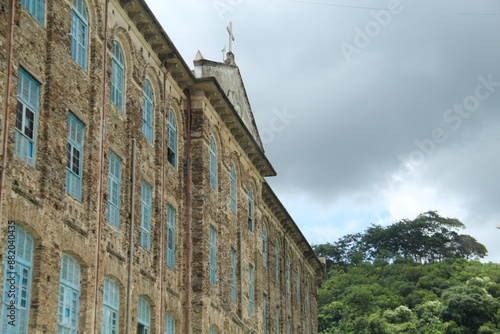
414	276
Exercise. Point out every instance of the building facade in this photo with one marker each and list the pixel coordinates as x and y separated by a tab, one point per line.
133	193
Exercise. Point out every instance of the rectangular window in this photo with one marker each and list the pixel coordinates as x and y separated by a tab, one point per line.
170	236
35	7
74	157
250	290
146	215
276	255
233	274
26	117
213	255
114	189
79	37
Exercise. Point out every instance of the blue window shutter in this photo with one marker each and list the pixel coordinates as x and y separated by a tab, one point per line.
232	190
28	90
22	271
147	111
79	33
172	139
250	291
69	296
233	274
170	236
111	307
213	165
264	245
213	255
35	8
114	190
117	76
74	157
250	210
146	215
169	324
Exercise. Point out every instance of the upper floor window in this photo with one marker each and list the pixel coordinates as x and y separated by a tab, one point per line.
277	320
111	307
213	164
250	209
169	324
213	255
170	236
146	215
117	76
21	268
35	7
26	117
250	290
79	33
69	296
147	111
172	139
232	190
277	257
143	317
264	314
264	245
74	157
288	276
233	274
114	189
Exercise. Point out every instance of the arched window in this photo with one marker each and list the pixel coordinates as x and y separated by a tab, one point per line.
21	244
143	317
264	245
250	209
79	33
169	324
232	190
69	296
213	164
147	111
278	320
111	307
213	330
117	76
172	139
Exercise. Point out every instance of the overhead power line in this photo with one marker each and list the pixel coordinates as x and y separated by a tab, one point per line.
403	10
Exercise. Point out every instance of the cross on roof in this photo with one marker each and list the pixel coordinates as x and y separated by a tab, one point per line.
231	36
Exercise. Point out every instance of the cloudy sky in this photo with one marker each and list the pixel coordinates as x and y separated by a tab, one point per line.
370	111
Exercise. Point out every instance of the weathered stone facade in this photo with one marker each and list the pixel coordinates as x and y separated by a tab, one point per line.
35	196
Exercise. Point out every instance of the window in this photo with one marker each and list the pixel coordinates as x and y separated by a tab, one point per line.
21	244
146	215
233	274
213	165
213	255
172	139
213	330
297	287
250	290
114	185
170	236
147	111
288	326
35	7
264	314
110	308
143	317
79	33
69	296
232	190
250	209
288	276
117	76
74	155
169	324
264	245
276	255
277	320
26	117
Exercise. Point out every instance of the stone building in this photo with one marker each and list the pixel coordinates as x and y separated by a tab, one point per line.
133	196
